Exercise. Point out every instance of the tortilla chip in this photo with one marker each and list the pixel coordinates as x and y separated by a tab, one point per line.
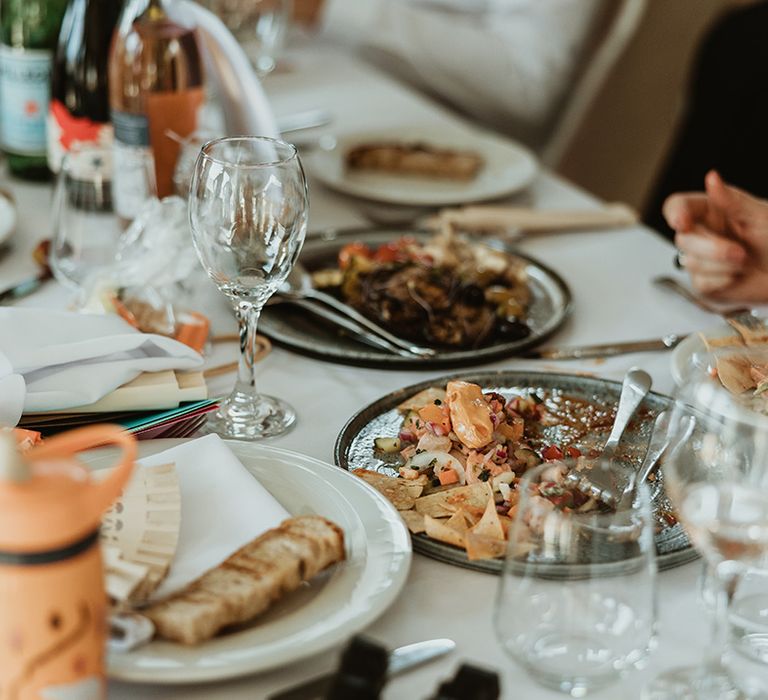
734	373
438	530
400	492
459	521
489	525
414	521
728	341
481	547
752	335
446	503
423	398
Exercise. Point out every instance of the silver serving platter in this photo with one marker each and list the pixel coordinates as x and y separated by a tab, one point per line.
354	449
303	332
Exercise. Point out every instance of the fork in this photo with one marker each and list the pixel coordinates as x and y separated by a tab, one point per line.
743	314
600	484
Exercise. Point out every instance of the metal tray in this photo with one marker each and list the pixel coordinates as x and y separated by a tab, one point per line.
354	449
303	332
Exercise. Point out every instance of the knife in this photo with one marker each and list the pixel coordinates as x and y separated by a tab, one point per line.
666	342
400	660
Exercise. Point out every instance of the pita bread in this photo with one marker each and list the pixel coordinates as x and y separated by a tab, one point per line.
414	521
459	521
489	525
734	372
446	503
438	530
481	547
728	341
401	493
752	335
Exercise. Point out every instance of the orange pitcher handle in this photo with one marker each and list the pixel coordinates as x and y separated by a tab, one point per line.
106	491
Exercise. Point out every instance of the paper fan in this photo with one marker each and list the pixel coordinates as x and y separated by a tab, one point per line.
143	526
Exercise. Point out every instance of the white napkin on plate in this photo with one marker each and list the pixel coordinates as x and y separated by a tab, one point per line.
223	507
67	359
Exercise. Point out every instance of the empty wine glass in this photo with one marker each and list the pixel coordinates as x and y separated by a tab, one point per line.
259	25
576	604
248	212
718	482
85	228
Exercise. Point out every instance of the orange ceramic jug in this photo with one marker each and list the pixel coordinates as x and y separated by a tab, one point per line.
52	599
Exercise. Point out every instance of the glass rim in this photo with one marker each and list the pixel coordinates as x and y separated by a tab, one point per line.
204	151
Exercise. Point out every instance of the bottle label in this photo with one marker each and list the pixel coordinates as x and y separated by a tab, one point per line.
131	129
134	175
67	132
25	91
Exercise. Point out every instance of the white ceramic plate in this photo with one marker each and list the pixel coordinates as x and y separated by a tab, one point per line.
322	614
508	168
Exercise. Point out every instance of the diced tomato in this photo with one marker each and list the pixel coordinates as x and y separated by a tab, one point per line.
448	476
552	452
389	252
573	452
351	250
432	413
563	501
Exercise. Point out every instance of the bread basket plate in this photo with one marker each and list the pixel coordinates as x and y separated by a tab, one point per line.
508	167
320	615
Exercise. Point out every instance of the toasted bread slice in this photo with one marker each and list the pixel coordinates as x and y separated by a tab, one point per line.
249	581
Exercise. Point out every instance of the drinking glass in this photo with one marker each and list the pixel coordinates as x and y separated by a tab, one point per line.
85	228
259	25
248	212
576	604
718	482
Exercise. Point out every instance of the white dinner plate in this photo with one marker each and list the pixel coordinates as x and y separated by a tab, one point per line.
508	168
320	615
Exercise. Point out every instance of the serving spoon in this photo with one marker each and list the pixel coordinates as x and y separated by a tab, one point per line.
298	286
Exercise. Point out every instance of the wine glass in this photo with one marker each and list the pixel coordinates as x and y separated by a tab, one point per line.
718	483
576	604
259	25
248	212
85	228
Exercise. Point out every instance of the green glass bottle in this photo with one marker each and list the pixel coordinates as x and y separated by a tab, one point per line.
29	31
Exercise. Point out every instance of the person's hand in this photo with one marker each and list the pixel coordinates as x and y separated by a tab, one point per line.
307	12
722	236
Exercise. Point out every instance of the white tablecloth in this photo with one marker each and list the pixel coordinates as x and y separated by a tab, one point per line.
609	274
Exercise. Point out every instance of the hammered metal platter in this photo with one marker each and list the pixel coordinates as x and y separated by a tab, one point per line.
299	330
354	449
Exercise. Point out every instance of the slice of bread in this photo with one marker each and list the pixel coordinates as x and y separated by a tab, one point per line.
250	580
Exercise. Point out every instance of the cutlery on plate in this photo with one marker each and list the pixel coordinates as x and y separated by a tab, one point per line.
599	483
579	352
299	286
354	329
308	119
737	313
401	660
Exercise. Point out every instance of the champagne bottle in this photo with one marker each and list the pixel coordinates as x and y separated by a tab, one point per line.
156	89
79	110
28	33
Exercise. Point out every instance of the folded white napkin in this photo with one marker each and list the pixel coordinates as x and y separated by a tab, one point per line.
223	507
67	359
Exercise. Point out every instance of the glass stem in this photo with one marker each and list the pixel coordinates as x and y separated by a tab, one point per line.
248	317
726	579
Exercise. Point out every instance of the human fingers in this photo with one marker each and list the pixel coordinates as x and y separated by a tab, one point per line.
708	266
706	245
684	209
739	206
711	284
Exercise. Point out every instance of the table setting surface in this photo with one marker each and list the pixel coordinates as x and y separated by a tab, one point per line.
610	276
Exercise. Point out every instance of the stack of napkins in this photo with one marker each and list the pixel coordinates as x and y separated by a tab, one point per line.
59	369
